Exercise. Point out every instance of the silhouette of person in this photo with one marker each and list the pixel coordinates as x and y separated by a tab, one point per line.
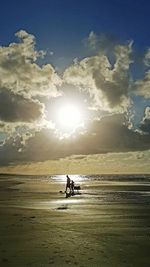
68	184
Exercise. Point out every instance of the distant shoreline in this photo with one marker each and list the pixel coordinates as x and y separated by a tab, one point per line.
90	174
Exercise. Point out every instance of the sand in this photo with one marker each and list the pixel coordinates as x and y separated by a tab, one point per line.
40	227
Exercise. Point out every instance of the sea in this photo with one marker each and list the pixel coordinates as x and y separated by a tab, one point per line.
114	188
49	190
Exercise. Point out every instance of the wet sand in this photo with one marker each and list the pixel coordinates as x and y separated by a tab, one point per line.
108	224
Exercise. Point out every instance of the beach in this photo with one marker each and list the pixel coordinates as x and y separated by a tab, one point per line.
106	224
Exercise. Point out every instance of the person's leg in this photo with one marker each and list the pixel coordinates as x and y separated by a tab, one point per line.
66	187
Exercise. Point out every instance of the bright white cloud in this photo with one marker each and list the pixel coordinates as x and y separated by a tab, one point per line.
108	85
147	58
142	87
19	71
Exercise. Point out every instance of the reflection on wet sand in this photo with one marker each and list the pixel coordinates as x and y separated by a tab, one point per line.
107	224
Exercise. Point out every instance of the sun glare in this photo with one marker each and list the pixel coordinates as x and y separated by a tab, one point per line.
69	117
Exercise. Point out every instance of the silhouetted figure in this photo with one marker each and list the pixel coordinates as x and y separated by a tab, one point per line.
68	184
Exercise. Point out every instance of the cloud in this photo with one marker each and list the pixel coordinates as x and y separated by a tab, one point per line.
22	82
92	40
17	108
145	123
110	134
31	93
108	84
142	86
21	74
101	42
147	58
130	162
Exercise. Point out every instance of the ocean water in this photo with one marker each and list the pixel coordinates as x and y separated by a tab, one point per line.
48	191
143	178
112	187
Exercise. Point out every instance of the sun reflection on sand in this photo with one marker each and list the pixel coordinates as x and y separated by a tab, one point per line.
67	201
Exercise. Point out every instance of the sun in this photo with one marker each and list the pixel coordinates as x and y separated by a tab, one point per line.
69	117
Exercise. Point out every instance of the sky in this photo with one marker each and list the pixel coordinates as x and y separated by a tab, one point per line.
74	86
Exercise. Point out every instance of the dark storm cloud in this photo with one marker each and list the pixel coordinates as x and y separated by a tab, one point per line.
17	108
110	134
